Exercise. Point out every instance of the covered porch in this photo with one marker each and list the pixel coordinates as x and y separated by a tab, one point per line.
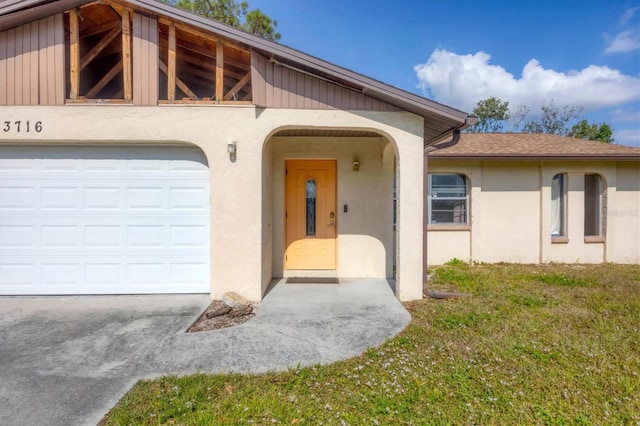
358	226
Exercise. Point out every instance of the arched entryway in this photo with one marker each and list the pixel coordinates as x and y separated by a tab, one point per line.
360	166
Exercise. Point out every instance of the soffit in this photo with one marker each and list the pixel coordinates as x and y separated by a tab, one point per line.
334	133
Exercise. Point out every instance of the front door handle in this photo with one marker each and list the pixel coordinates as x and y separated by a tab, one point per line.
332	223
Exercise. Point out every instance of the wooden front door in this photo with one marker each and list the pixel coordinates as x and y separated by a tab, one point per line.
311	217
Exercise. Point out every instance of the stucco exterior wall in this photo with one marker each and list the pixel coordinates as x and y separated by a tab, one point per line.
507	214
446	245
510	213
623	215
242	220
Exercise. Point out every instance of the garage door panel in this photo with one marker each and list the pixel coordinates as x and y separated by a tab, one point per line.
145	236
103	274
14	198
103	237
19	275
103	198
146	199
17	237
62	275
59	198
61	163
189	197
188	236
60	236
103	220
187	272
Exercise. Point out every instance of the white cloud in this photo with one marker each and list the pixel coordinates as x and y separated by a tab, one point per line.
628	15
623	115
626	41
462	80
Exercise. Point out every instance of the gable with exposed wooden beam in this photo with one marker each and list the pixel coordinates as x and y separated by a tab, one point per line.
204	72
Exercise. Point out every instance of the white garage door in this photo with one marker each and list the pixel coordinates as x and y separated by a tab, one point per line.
103	220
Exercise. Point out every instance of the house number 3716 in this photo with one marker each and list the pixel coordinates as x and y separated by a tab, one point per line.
22	126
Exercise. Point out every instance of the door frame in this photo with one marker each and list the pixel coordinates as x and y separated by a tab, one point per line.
284	217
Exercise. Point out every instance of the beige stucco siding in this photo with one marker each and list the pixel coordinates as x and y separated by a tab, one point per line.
243	244
623	215
446	245
510	213
506	217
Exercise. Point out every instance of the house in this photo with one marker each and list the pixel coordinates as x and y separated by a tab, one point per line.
145	149
533	198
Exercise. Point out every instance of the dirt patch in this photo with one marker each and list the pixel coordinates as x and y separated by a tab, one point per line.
220	315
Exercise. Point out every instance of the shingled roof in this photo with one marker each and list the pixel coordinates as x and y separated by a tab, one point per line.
533	146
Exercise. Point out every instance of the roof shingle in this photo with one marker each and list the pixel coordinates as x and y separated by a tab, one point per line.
533	145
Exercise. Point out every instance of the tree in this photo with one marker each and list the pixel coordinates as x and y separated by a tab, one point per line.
592	132
492	115
232	13
554	120
261	25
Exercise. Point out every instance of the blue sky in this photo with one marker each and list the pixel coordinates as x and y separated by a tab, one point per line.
584	53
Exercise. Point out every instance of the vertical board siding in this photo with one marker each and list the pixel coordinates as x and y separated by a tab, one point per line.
280	87
258	69
34	95
145	60
48	81
11	70
32	63
3	68
18	63
59	49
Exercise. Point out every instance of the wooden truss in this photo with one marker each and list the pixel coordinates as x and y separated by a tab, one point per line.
197	66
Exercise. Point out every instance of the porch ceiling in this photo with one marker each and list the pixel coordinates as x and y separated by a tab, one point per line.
333	133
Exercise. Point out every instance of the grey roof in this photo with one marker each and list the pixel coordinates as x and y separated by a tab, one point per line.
444	118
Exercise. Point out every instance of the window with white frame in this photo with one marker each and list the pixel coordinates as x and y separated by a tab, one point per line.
448	199
558	206
593	206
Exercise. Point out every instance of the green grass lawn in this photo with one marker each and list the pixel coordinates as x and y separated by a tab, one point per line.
555	344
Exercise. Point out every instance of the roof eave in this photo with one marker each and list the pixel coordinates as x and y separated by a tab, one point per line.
18	13
546	157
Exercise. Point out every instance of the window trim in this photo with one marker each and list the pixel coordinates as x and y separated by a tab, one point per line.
599	215
311	208
451	226
562	235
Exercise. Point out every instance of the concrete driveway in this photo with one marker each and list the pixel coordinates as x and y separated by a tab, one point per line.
67	360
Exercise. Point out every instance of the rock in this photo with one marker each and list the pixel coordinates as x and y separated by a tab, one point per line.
241	311
234	300
222	310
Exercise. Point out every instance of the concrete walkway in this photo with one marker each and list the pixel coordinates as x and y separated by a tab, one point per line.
67	360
